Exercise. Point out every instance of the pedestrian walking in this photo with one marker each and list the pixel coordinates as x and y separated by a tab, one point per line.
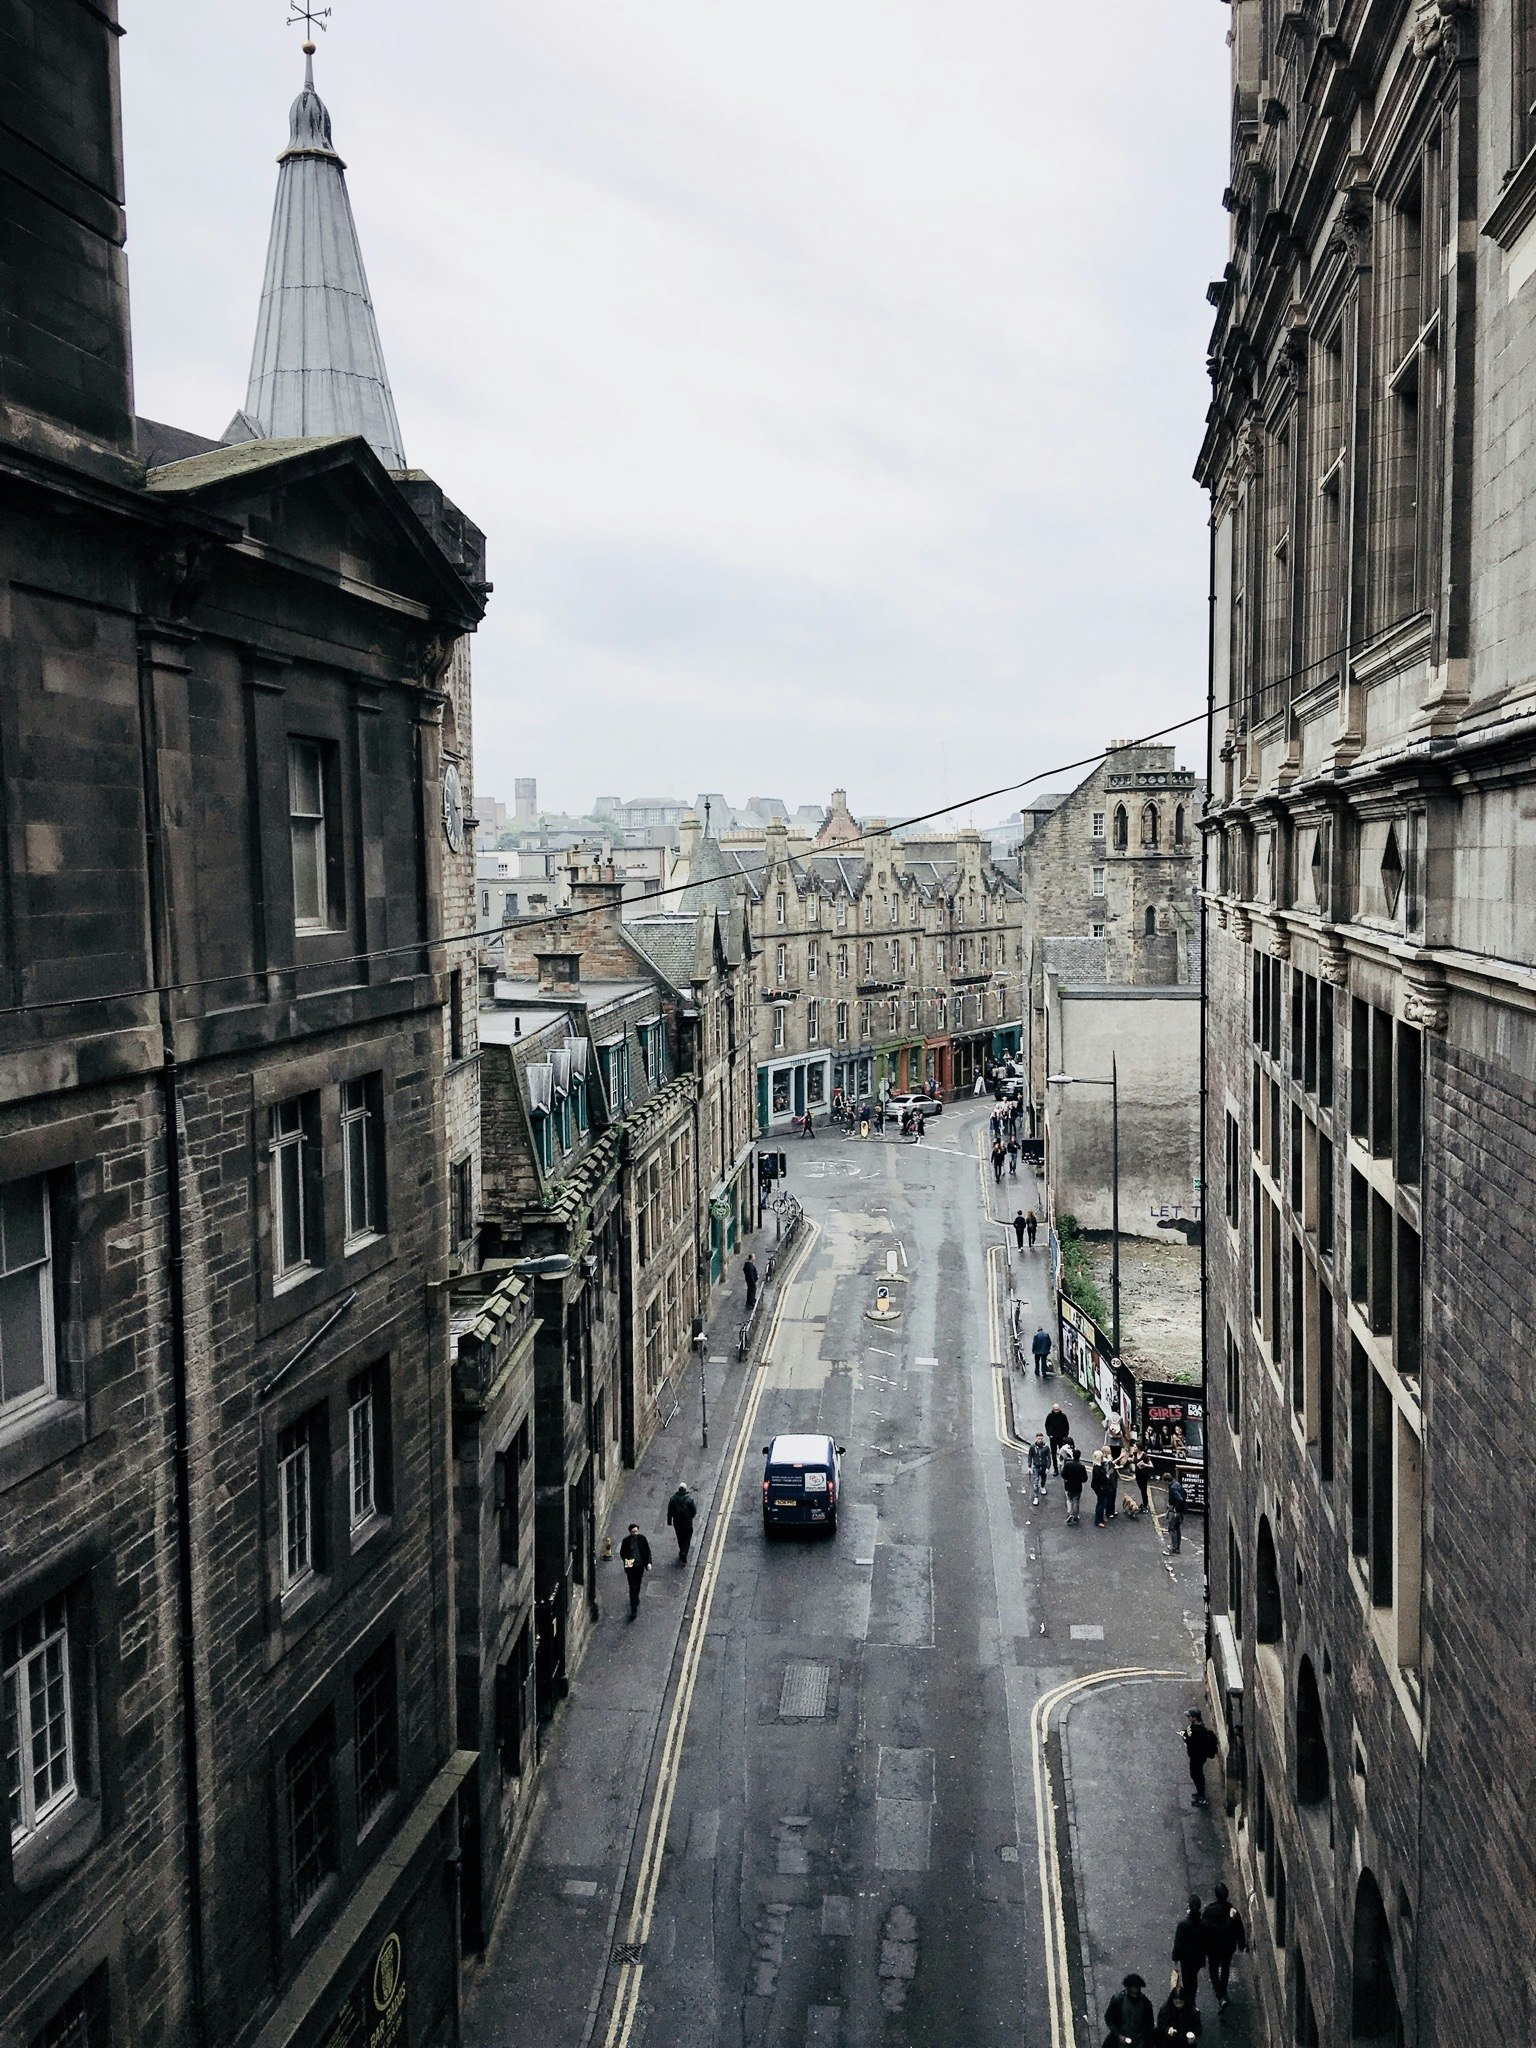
1039	1467
1200	1745
681	1509
1189	1948
1020	1225
1112	1484
1178	1502
880	1118
998	1156
1178	2019
1074	1477
1114	1434
1057	1430
807	1125
1129	2015
1141	1465
1040	1345
749	1275
635	1555
1031	1225
1101	1482
1225	1934
1013	1158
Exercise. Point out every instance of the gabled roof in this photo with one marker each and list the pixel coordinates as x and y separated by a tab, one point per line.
224	476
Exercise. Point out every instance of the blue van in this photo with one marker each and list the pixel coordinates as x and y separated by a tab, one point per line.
801	1476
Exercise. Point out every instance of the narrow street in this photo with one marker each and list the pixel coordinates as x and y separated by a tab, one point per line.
818	1821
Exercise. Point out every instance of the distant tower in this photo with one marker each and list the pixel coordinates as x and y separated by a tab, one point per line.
318	365
525	800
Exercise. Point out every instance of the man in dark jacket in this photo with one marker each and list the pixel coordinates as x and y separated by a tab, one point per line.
1200	1745
1178	1501
749	1275
635	1555
1074	1477
1019	1228
1189	1947
1178	2019
1057	1430
1101	1479
1225	1934
1129	2016
681	1509
1040	1345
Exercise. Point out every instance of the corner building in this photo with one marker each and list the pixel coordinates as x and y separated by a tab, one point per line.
1370	1056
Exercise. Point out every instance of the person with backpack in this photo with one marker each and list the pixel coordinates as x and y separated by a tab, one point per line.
1200	1745
1225	1934
1039	1467
681	1509
1074	1477
1178	1502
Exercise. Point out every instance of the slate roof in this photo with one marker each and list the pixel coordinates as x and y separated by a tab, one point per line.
1079	962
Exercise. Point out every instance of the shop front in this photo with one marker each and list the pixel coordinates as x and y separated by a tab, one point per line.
970	1060
1007	1041
731	1214
938	1063
900	1069
786	1089
854	1077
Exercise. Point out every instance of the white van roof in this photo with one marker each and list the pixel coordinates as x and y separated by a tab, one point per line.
800	1450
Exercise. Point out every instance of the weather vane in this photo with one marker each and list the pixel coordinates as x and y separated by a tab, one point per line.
312	18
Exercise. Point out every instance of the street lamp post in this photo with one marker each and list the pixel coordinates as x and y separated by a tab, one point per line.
1113	1085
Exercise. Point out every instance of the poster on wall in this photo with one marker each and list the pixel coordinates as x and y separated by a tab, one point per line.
1172	1423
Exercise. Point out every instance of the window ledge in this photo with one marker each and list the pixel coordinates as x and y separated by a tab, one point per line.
377	1525
31	1442
1515	208
58	1847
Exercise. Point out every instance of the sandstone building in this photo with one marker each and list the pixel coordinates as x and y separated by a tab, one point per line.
1371	1043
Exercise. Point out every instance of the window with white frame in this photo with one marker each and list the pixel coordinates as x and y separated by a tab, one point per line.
299	1479
295	1207
1097	880
27	1354
38	1717
813	910
869	959
365	1448
842	910
813	1020
361	1139
943	957
1096	931
653	1049
779	907
780	965
842	1023
812	961
312	836
869	909
780	1027
842	963
1098	824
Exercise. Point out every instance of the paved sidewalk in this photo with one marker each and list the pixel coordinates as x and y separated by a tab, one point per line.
546	1957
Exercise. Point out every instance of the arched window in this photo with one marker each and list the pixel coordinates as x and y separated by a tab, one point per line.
1151	922
1178	826
1122	829
1311	1742
1269	1619
1149	825
1373	2006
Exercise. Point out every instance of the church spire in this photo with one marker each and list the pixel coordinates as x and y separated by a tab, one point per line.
317	367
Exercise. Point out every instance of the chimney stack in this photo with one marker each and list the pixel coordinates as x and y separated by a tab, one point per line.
559	973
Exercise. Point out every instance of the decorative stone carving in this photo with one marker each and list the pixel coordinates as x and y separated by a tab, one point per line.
1221	912
1351	236
1332	960
1426	998
176	577
436	654
1242	925
1435	25
1280	945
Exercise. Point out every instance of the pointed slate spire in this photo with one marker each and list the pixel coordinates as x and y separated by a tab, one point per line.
317	367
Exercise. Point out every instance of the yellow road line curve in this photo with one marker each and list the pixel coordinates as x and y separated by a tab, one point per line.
637	1932
1058	1978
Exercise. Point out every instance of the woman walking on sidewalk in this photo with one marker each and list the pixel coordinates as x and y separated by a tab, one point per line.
1031	1224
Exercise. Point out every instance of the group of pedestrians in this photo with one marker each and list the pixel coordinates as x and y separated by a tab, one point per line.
635	1549
1026	1225
1207	1937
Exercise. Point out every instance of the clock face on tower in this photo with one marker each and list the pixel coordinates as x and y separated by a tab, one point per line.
453	808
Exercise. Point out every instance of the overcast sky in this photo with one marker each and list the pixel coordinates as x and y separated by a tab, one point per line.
826	376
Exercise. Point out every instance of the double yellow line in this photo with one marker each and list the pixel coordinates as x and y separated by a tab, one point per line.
1058	1976
637	1932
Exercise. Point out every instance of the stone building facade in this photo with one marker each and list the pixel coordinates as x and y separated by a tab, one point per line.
224	1515
1116	860
885	964
1371	1041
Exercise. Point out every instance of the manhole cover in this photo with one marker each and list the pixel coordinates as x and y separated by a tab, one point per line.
804	1697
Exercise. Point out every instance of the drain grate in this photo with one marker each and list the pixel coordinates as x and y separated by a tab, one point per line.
804	1697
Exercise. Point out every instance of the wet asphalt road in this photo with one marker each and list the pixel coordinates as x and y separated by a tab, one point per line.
849	1814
